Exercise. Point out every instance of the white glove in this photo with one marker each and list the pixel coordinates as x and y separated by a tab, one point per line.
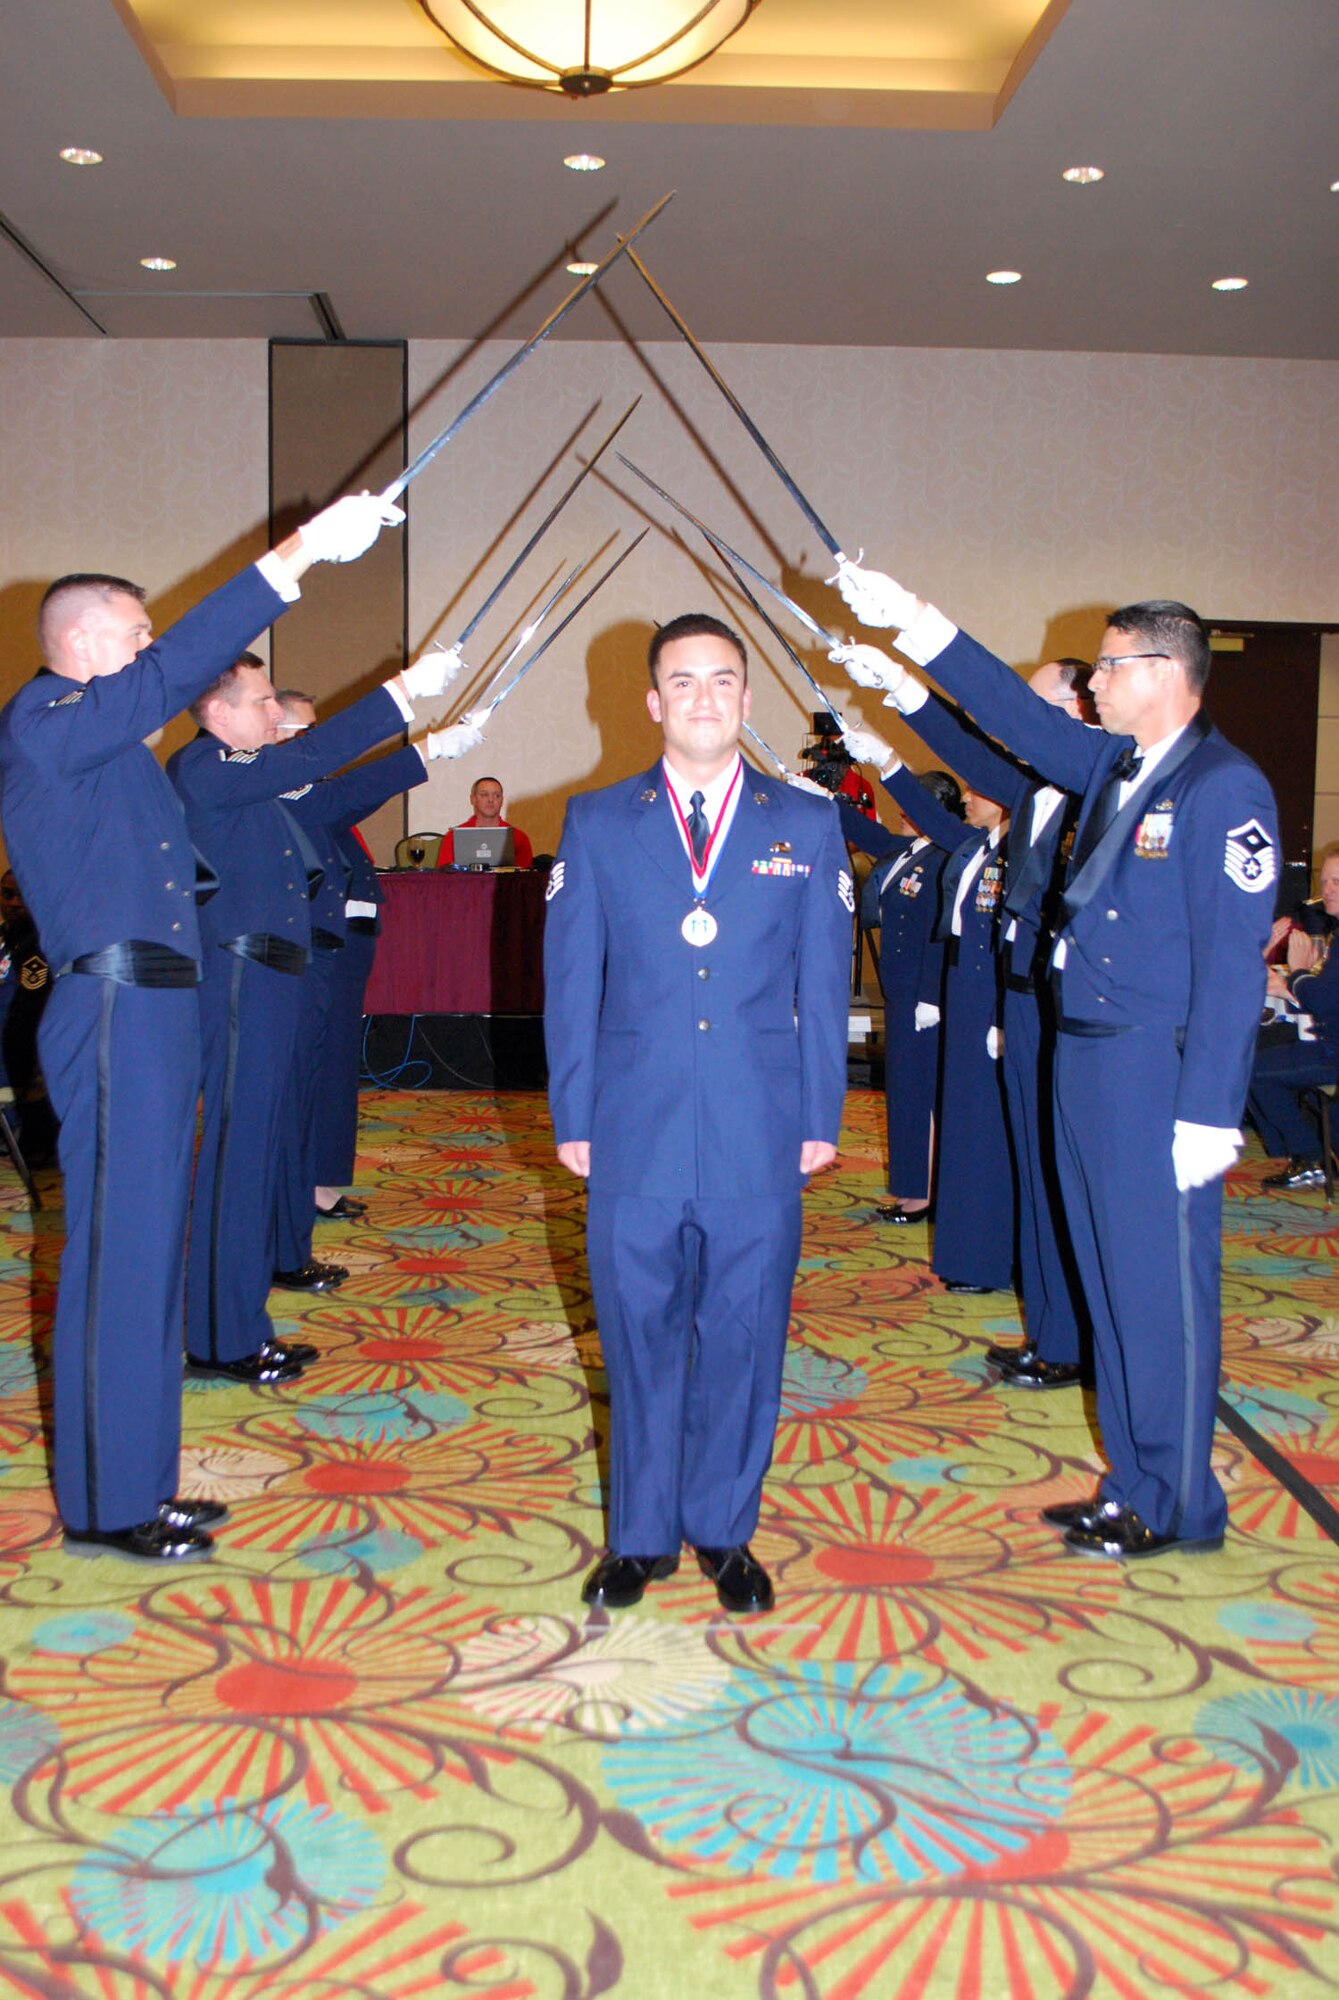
867	748
868	667
927	1015
875	599
431	674
803	784
994	1044
458	738
1201	1153
347	530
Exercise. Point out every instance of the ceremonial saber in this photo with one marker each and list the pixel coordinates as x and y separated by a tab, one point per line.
530	630
820	528
780	637
763	744
513	362
538	535
562	625
829	641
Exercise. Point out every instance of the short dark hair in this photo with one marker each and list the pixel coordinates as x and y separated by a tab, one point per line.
92	586
221	684
943	788
1166	626
694	625
487	778
288	694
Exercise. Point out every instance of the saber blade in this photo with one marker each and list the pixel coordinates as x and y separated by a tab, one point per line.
811	515
829	641
780	637
513	362
542	530
766	748
530	630
563	623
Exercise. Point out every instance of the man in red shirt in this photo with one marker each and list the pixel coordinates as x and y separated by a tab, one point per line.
486	797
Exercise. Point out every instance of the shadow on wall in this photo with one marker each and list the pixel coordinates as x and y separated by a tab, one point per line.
616	684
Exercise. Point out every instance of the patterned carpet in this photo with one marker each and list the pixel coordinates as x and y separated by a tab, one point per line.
375	1749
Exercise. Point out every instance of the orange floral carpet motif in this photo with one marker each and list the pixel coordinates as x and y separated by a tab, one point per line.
376	1749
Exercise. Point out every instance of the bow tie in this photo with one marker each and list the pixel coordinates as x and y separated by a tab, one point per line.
1127	764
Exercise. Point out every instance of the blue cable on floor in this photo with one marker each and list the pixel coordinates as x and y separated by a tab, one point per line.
396	1075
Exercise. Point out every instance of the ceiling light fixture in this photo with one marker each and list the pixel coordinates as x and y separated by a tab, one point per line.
80	156
581	268
1003	277
1083	176
586	47
1230	284
584	163
1334	187
159	263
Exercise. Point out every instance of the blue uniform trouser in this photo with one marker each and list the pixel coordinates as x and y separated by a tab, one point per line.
1286	1130
122	1066
296	1177
335	1139
1047	1278
974	1198
693	1304
1149	1258
911	1078
249	1016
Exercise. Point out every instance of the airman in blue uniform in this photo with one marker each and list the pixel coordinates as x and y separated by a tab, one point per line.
97	837
697	971
1158	975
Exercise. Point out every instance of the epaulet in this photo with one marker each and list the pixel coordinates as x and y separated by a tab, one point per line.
68	700
300	793
239	756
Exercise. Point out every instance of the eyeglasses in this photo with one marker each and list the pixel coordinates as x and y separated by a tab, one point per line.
1108	663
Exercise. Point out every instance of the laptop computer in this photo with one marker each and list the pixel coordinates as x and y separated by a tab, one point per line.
483	847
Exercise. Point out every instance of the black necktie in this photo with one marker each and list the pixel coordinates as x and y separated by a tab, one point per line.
1104	811
698	830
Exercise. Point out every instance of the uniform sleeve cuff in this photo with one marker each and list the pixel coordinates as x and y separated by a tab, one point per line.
909	695
400	698
927	636
276	573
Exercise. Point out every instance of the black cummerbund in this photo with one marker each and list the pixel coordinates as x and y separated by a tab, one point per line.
327	941
280	954
136	962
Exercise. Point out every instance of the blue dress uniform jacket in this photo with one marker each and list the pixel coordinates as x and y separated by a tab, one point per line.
911	959
1053	1313
1282	1069
97	839
1158	997
334	1145
695	1073
250	1008
318	809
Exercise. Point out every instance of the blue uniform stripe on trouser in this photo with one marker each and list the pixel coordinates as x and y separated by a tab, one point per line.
216	1249
1187	1359
92	1301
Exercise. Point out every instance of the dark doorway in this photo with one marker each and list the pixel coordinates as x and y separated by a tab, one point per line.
1263	694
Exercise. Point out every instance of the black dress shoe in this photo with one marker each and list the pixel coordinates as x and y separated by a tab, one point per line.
1119	1532
260	1367
1298	1173
156	1541
1034	1373
300	1351
346	1209
1010	1357
742	1584
972	1291
893	1211
618	1581
180	1513
310	1278
1073	1513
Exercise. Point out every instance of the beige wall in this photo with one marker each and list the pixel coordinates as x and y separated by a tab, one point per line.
1024	492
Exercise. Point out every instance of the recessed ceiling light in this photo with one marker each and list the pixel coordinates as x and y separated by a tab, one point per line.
1003	277
1334	187
582	268
159	263
1230	284
584	163
1083	176
80	156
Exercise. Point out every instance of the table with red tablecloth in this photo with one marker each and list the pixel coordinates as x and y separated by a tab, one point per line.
459	944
